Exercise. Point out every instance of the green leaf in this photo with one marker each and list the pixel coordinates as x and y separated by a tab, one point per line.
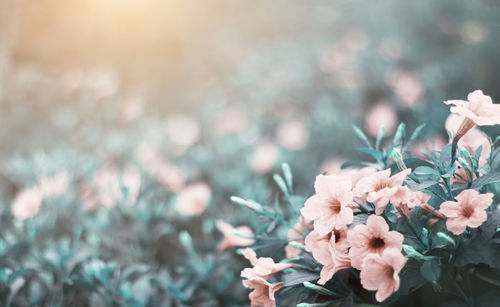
281	184
414	135
486	179
328	303
399	136
426	171
380	136
319	289
298	277
481	247
362	136
431	269
445	156
374	153
287	172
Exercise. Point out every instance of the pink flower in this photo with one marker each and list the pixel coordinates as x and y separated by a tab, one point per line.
407	87
232	120
297	234
27	203
263	292
479	108
372	238
380	187
381	272
381	114
183	130
330	207
264	156
107	186
53	186
263	267
166	173
230	238
404	196
330	250
292	134
468	210
193	199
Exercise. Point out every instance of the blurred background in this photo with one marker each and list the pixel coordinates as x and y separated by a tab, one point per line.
153	107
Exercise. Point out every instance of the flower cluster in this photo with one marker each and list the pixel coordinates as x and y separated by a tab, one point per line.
398	221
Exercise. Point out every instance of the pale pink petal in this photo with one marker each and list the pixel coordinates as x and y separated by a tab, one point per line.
477	219
450	209
456	225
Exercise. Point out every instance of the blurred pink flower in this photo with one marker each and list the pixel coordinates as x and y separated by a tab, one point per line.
479	108
264	157
231	238
166	173
107	187
263	267
297	234
27	203
331	250
292	134
131	109
330	207
372	238
232	120
263	291
407	87
102	81
183	130
468	210
380	187
193	199
131	180
53	186
381	114
381	272
472	33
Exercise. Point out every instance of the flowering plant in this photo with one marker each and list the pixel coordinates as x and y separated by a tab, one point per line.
387	232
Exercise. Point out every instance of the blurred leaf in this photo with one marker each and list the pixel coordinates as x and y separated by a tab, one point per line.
399	136
380	136
362	136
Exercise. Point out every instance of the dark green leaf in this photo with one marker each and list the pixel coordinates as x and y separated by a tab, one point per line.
486	179
431	269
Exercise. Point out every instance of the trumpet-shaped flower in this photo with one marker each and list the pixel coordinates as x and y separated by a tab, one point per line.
380	187
231	238
263	291
479	108
381	272
468	210
331	206
27	203
372	238
263	267
330	250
